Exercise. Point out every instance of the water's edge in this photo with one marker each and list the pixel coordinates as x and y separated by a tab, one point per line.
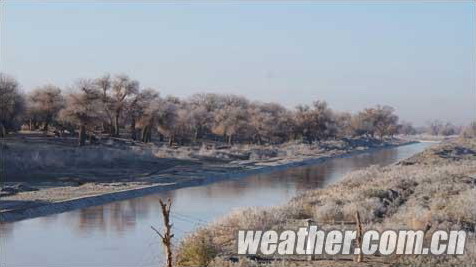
97	200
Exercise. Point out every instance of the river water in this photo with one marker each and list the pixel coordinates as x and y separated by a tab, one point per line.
119	233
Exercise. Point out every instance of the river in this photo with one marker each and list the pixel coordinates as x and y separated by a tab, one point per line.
119	233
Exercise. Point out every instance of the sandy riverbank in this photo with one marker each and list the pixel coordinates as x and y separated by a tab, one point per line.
62	195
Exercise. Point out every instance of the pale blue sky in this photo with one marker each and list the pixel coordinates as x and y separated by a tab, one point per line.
417	57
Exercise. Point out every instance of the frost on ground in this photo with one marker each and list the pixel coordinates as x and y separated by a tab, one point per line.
62	171
37	159
435	189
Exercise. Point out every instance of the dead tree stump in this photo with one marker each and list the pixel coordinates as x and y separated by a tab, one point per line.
167	235
360	257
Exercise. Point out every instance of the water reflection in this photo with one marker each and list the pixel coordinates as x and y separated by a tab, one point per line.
118	234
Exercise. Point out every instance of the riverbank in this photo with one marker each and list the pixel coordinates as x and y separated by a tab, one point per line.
60	195
432	190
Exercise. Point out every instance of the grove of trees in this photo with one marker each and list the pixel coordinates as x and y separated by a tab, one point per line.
437	127
117	106
12	104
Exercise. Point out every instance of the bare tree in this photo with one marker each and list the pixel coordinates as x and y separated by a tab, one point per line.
122	88
203	112
211	102
434	127
167	235
343	124
141	111
449	129
361	124
469	131
105	84
115	94
12	104
359	237
148	120
231	117
324	120
268	121
313	123
386	122
183	127
303	118
166	116
83	108
200	118
113	102
44	104
406	128
379	120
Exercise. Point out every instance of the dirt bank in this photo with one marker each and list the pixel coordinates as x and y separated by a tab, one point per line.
59	192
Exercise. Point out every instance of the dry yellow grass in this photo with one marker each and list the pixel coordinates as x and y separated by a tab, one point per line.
435	189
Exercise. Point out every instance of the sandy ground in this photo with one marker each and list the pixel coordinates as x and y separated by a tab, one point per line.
81	187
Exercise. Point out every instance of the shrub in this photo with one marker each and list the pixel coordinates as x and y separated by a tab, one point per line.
197	250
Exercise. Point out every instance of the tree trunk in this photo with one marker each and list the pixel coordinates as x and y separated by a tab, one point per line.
195	136
171	140
142	134
111	127
145	134
3	131
133	129
260	141
360	256
45	127
167	235
116	124
106	127
48	119
149	134
82	135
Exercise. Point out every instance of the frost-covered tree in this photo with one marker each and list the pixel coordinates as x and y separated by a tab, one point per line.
469	131
12	104
268	122
343	124
116	93
434	127
140	112
406	128
379	120
313	123
231	118
167	118
44	104
83	108
200	120
110	103
437	127
449	129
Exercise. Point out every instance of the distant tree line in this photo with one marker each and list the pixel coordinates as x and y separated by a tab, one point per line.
118	107
441	128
